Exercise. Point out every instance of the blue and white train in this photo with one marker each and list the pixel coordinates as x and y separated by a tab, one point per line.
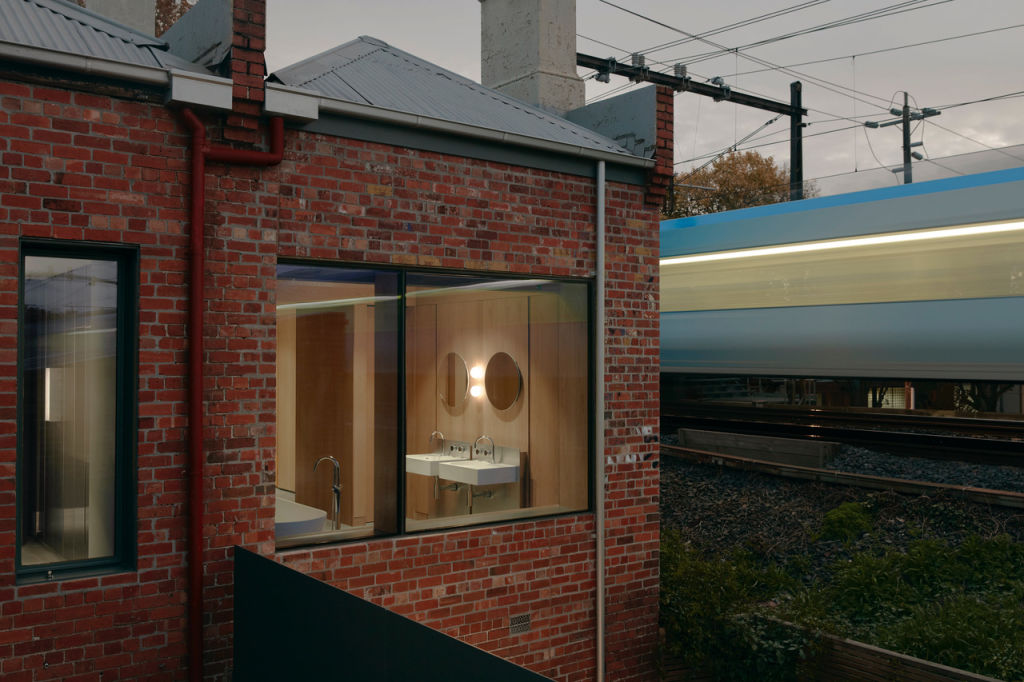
921	281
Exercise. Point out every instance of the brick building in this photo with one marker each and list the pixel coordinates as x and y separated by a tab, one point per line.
285	314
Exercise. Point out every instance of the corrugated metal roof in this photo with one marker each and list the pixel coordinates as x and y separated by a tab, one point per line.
369	71
66	27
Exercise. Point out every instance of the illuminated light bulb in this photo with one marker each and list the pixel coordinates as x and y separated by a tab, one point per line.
476	391
477	372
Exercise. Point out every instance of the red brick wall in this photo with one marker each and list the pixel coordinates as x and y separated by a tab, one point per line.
355	201
79	166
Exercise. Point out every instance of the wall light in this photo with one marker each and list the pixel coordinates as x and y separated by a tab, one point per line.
873	240
477	372
476	391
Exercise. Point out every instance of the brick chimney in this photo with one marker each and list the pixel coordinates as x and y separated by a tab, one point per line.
247	69
528	51
228	37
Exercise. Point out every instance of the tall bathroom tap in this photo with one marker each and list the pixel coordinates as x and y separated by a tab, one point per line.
335	488
477	441
430	439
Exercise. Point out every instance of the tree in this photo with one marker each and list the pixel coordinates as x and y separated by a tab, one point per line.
982	396
736	180
168	12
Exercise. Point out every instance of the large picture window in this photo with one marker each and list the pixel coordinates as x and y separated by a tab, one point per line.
77	379
337	403
410	401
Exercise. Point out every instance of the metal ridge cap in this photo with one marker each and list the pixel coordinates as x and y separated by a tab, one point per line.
338	106
70	61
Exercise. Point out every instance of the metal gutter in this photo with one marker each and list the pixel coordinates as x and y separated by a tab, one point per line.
67	61
365	111
599	458
162	76
195	88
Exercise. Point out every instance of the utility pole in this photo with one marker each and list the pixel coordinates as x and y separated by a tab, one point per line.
905	117
908	176
796	143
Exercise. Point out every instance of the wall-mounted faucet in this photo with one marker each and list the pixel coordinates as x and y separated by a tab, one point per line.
430	439
475	449
335	488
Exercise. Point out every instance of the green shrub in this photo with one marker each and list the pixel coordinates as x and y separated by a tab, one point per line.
980	633
846	523
961	605
709	610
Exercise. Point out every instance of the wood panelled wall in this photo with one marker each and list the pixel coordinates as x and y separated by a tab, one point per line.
326	401
548	423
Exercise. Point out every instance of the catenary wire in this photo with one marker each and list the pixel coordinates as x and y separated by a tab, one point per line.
887	49
883	12
739	24
810	79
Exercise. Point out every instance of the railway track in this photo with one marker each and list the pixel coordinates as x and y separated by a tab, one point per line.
980	495
981	441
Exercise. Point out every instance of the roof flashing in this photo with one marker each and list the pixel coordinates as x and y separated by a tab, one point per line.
296	103
197	89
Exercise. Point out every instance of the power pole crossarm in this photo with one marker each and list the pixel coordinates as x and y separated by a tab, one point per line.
905	117
685	84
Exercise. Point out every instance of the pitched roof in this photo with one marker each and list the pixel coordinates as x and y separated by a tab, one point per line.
369	71
65	27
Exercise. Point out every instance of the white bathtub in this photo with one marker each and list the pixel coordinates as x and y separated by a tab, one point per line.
292	518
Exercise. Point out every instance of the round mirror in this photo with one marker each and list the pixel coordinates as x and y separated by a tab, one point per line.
503	381
453	380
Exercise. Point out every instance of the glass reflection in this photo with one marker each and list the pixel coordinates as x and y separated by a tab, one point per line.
337	401
69	383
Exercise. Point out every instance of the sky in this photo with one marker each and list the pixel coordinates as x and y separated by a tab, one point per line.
840	94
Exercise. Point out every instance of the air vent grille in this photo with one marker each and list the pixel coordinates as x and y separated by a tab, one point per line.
517	625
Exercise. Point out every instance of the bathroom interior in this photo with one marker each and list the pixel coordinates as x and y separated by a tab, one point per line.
471	391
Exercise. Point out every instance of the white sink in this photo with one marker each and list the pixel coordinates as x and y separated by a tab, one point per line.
426	465
478	472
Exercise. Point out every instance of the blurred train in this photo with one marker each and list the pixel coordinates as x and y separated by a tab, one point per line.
920	281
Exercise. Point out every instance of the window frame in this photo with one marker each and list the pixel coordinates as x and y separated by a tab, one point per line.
124	557
401	501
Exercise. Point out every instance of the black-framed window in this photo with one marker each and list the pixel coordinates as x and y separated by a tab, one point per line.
76	385
411	400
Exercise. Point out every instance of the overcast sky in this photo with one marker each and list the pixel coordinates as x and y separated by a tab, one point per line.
447	32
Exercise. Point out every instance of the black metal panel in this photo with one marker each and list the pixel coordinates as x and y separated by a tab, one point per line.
289	626
485	150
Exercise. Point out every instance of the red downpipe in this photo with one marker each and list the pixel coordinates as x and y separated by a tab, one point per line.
201	153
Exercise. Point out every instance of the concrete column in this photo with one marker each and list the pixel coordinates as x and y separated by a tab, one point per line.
137	14
528	51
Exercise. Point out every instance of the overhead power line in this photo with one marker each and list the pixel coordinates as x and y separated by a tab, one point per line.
883	12
749	147
887	49
739	24
820	82
978	142
995	98
733	147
